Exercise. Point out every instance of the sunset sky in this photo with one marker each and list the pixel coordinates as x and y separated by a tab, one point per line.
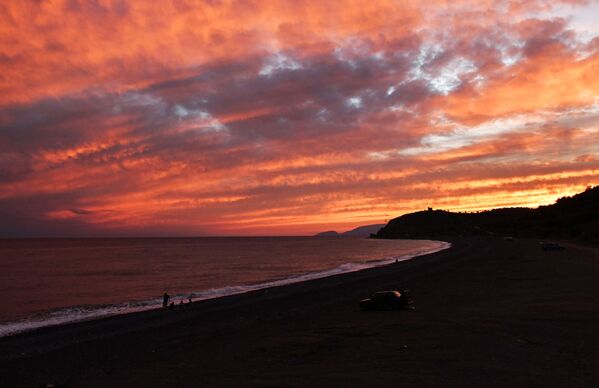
122	118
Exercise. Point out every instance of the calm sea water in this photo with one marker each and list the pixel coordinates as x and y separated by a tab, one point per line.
52	281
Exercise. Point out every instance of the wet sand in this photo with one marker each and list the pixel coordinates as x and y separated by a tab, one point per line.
488	313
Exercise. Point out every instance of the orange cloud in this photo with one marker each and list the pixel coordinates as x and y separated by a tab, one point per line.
288	117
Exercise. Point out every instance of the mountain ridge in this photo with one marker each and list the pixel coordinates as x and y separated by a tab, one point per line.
359	231
575	217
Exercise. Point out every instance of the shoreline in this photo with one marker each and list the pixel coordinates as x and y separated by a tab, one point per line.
28	324
488	313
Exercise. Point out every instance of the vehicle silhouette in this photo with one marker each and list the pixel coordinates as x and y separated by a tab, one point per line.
386	300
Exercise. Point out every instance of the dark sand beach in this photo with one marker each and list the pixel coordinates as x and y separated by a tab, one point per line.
488	313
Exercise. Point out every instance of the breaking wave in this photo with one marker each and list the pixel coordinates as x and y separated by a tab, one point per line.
83	313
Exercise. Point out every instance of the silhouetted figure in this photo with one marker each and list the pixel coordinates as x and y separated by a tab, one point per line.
190	295
181	303
171	306
165	299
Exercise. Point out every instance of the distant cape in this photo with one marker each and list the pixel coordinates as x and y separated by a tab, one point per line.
360	231
328	233
575	217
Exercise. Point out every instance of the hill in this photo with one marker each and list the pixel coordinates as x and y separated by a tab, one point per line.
363	231
360	231
575	217
328	233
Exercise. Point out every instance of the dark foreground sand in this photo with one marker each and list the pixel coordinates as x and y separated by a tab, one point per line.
488	313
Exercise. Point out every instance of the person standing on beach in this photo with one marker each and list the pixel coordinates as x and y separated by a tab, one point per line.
165	299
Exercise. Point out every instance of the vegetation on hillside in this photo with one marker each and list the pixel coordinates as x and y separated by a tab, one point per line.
575	217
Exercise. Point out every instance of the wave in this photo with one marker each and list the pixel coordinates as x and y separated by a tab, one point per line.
73	314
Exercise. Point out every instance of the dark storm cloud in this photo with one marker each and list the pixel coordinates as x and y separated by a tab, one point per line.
327	119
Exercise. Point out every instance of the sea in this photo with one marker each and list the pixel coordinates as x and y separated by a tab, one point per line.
47	282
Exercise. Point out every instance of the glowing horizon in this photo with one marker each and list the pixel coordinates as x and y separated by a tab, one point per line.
188	117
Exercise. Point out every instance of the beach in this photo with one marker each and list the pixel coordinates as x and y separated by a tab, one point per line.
488	312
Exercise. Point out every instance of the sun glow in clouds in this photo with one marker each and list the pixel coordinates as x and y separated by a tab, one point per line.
186	117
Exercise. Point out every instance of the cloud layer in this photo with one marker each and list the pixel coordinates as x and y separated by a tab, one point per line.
239	117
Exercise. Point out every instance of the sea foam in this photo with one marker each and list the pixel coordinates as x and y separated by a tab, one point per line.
73	314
